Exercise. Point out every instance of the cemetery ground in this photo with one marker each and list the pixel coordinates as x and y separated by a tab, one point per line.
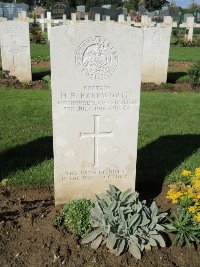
169	138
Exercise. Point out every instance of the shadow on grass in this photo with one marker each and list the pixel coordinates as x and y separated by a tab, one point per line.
159	158
173	77
154	162
38	75
24	156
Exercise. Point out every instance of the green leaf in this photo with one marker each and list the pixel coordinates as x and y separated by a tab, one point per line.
125	195
97	242
159	239
145	221
93	235
154	209
133	219
152	242
134	250
121	246
111	241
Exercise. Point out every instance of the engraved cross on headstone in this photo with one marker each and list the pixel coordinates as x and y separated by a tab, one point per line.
14	49
95	135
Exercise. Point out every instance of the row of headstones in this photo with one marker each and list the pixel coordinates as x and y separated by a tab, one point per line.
145	22
15	45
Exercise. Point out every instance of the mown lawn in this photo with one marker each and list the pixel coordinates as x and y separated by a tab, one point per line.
40	50
176	53
184	53
169	137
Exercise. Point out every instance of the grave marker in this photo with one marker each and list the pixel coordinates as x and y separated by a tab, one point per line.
58	10
48	21
11	10
96	97
145	22
15	49
156	54
189	25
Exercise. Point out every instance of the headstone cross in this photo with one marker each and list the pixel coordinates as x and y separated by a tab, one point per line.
14	49
95	135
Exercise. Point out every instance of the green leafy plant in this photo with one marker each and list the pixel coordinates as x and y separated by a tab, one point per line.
167	86
186	230
76	216
123	222
194	74
47	80
36	35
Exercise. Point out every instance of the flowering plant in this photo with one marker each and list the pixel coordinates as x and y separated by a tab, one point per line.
186	195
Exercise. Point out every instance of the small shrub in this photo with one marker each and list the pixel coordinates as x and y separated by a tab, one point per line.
186	195
194	74
167	86
75	215
183	43
186	230
122	222
36	35
47	80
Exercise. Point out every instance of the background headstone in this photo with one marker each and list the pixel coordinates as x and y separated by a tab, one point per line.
15	49
39	10
80	8
59	9
11	10
96	97
156	54
1	9
113	12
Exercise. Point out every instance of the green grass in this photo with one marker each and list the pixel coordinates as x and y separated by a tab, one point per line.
184	53
169	137
26	136
176	53
40	50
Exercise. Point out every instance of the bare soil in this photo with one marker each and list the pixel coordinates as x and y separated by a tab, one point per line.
180	66
28	237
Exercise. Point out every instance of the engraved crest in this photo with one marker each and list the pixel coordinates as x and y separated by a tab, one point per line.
96	58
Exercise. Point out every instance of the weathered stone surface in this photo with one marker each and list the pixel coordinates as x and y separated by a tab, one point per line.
156	54
96	79
15	49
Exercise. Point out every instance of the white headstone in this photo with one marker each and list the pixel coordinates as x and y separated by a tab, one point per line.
64	19
15	49
156	54
189	25
80	8
96	79
42	21
145	22
48	20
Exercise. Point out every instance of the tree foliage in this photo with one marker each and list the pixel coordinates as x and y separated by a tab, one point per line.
155	4
131	4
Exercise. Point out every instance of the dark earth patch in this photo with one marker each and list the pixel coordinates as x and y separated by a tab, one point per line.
29	239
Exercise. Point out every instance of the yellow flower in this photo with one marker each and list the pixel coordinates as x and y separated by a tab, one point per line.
197	217
197	172
174	195
186	173
192	209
